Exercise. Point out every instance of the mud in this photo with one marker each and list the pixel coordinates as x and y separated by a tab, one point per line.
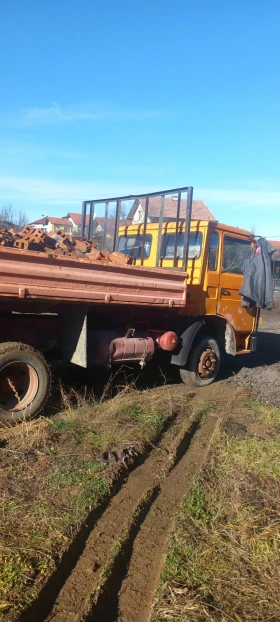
117	572
75	599
135	597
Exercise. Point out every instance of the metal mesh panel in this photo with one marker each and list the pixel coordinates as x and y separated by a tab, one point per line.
102	218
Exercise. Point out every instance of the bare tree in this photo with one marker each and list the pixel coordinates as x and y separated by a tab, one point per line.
6	213
9	217
21	219
123	211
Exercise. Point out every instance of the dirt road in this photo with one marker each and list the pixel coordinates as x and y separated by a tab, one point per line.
117	573
261	370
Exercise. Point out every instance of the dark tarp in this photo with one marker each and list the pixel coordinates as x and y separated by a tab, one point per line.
257	284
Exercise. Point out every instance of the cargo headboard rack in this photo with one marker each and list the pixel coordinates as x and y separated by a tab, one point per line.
115	204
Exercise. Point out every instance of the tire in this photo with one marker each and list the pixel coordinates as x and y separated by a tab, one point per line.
24	382
197	373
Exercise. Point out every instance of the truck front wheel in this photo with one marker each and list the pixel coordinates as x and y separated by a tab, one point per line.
203	363
24	382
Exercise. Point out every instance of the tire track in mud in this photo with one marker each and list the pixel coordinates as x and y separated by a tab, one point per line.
79	591
133	530
130	598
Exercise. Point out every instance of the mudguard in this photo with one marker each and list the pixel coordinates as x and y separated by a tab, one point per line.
187	339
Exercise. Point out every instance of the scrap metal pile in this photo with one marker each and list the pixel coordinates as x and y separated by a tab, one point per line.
58	243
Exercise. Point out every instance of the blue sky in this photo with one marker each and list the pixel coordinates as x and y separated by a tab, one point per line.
112	97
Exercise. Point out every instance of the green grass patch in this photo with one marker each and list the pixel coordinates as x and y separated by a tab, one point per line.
150	422
222	561
267	415
52	477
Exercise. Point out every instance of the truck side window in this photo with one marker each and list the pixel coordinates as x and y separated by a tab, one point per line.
213	251
168	244
132	245
236	252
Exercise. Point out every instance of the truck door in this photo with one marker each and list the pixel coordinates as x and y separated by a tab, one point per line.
235	251
213	273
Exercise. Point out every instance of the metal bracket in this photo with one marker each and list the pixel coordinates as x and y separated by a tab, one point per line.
75	335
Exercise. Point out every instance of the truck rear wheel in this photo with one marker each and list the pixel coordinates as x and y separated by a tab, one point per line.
203	363
24	382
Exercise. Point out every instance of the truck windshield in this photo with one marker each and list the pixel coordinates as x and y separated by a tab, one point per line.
168	243
132	245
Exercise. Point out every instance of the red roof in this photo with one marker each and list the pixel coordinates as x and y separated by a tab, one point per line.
77	218
276	245
101	220
53	220
111	222
200	211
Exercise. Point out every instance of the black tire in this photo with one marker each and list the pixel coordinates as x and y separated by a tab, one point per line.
190	374
24	382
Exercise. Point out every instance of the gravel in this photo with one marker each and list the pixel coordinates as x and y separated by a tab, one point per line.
261	370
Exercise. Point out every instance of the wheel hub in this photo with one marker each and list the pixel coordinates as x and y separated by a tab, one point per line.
19	385
207	363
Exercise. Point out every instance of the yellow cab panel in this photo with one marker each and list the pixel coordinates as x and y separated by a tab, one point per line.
130	242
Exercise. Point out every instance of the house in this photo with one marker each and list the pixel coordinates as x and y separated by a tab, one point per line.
98	224
52	223
276	264
200	211
76	220
276	245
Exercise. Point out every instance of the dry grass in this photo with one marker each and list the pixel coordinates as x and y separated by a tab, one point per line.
223	558
52	477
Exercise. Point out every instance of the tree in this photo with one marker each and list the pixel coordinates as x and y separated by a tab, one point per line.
123	211
9	217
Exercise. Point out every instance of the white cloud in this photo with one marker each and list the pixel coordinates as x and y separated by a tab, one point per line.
56	114
238	198
50	191
59	192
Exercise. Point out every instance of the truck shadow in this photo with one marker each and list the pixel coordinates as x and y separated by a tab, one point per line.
97	383
267	353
